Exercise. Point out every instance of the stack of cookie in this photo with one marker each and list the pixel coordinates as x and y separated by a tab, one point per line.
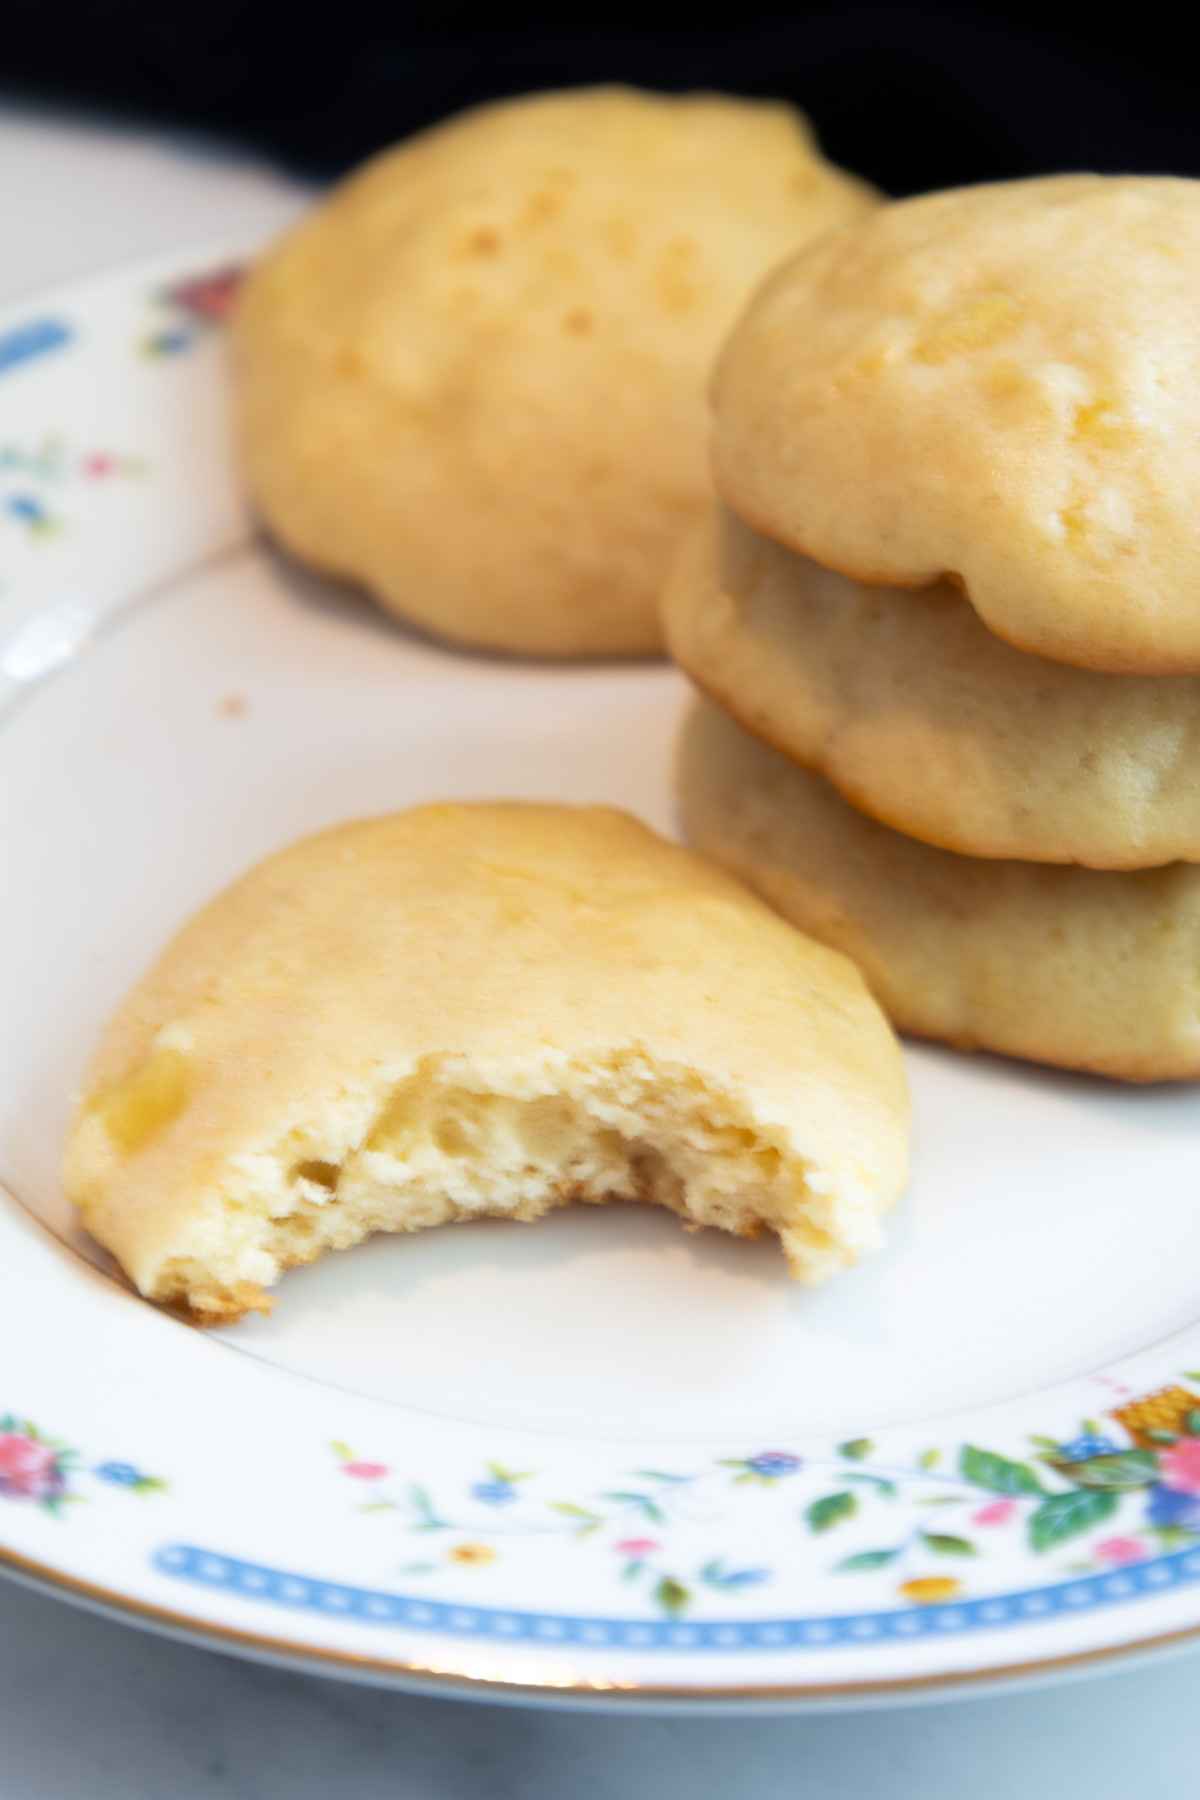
949	615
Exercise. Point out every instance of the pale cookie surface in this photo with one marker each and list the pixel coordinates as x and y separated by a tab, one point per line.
995	384
470	1010
472	380
922	718
1085	968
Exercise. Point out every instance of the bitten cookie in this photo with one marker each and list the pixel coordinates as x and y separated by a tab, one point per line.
472	380
922	718
470	1010
1081	967
994	385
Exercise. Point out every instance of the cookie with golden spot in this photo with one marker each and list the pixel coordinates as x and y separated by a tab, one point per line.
924	719
432	365
993	385
1084	968
481	1010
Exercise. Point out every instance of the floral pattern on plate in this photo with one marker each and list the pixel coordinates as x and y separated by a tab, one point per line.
46	1472
34	475
1114	1493
186	310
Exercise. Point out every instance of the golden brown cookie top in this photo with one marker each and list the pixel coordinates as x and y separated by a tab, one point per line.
994	384
473	377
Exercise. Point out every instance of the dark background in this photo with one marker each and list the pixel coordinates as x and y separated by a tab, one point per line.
914	97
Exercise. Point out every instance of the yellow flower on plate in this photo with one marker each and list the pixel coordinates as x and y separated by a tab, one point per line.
472	1553
1167	1409
927	1590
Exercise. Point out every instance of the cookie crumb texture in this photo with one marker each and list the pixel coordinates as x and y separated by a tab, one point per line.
468	1012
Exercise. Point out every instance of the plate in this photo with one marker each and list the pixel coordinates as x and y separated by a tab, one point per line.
599	1459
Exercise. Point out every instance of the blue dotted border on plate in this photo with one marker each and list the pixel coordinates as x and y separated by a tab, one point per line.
370	1606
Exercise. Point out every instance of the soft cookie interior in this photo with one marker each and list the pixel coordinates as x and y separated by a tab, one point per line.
447	1143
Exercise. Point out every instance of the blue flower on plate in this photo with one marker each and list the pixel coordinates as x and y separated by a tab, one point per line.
717	1575
1169	1506
120	1474
773	1463
494	1493
26	507
1087	1445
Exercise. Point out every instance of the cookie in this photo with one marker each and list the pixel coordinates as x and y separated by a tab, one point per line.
1085	968
922	718
994	386
481	1010
472	380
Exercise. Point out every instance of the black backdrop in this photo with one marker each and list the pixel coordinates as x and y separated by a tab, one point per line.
914	97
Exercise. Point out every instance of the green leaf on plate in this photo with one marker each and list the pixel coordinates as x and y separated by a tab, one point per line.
929	1459
866	1559
510	1477
1126	1470
998	1474
1192	1422
1173	1537
672	1596
945	1545
649	1508
421	1504
856	1449
1063	1516
886	1488
830	1510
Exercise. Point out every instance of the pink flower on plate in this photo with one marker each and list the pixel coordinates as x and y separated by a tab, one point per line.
1117	1550
28	1470
365	1471
637	1546
1180	1466
209	296
996	1512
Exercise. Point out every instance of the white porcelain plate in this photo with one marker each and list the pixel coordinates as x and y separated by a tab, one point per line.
596	1457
